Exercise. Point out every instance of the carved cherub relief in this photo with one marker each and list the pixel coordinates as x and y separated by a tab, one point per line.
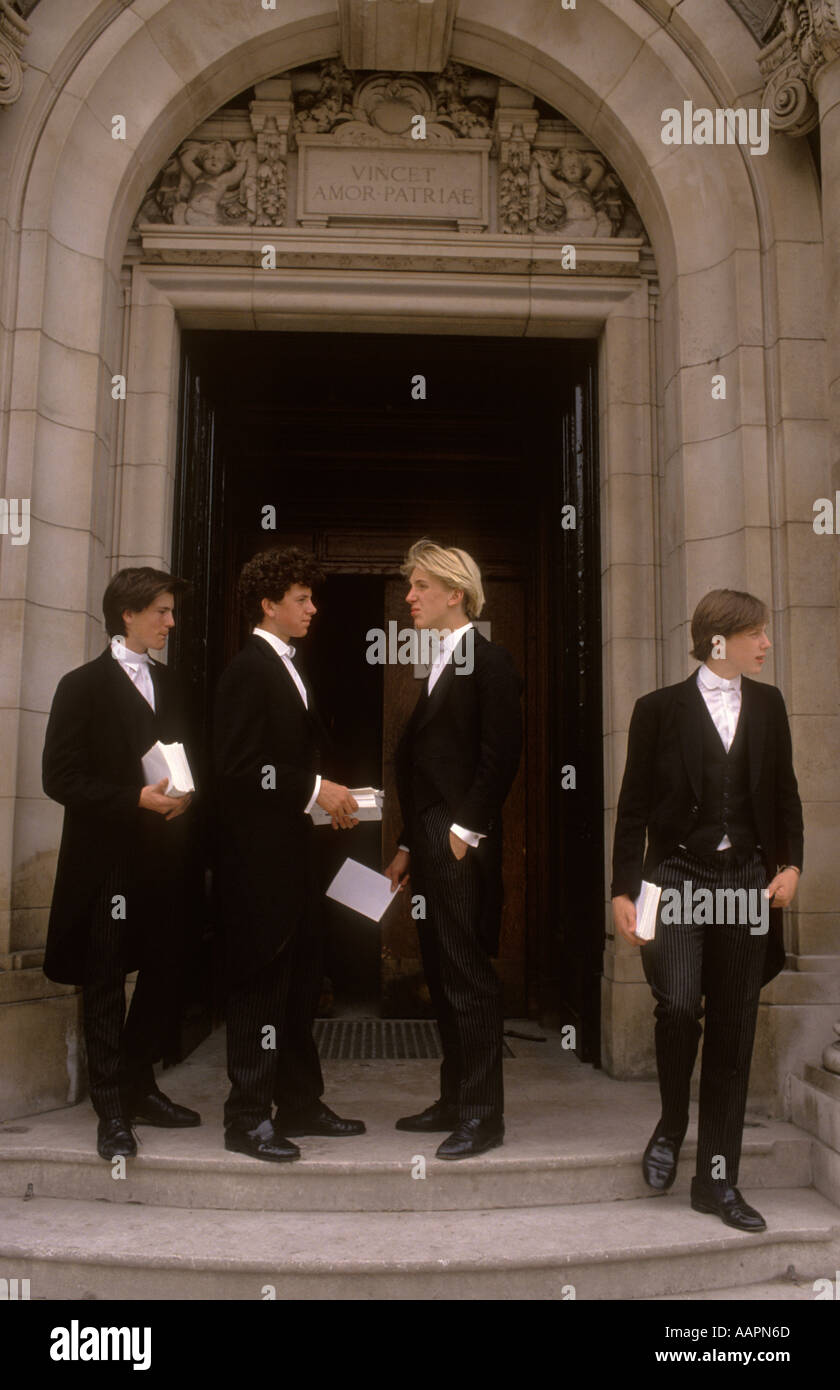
222	183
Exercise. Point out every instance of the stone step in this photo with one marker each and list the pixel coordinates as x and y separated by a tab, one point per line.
639	1249
783	1290
190	1169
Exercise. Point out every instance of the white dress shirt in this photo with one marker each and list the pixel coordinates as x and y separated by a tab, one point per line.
723	701
447	647
136	667
285	652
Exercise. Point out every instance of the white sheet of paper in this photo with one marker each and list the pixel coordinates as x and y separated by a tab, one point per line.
361	888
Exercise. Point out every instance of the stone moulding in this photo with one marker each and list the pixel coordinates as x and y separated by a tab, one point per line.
380	33
388	248
465	148
14	32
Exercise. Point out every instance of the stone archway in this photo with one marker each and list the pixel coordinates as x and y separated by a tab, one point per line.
700	487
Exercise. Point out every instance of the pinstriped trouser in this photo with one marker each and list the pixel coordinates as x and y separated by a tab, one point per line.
723	961
463	985
283	993
120	1050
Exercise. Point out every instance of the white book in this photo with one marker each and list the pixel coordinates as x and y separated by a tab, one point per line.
647	907
370	801
169	760
363	889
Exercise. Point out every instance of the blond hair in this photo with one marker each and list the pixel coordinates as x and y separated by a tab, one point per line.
454	568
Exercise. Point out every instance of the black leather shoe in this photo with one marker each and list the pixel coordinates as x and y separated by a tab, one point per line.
473	1137
158	1109
726	1202
114	1139
318	1119
263	1142
659	1162
435	1118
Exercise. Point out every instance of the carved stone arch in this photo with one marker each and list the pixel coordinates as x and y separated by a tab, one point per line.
427	148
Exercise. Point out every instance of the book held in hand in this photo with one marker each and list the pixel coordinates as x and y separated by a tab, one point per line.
370	806
647	907
168	760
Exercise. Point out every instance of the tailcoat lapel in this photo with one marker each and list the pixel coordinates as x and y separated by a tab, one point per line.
267	651
125	696
755	709
433	702
690	730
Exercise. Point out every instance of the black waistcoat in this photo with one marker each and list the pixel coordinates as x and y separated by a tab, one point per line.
725	806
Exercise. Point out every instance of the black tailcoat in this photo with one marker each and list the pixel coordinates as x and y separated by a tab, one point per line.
98	730
461	747
663	778
265	871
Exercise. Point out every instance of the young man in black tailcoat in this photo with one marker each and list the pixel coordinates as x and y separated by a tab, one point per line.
116	904
709	780
269	750
455	765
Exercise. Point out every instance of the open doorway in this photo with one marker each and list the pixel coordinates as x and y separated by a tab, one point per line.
319	440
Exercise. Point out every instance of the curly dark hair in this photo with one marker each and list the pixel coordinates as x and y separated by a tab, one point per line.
271	573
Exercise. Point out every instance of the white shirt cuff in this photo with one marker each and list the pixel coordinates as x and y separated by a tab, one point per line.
470	837
405	849
314	797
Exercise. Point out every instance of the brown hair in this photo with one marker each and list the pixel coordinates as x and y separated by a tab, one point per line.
134	589
271	573
721	613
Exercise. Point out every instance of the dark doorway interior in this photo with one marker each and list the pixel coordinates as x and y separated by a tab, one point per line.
325	441
350	692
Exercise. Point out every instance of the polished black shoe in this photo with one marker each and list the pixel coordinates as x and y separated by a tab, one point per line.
318	1119
473	1137
263	1142
158	1109
659	1162
719	1199
114	1139
438	1117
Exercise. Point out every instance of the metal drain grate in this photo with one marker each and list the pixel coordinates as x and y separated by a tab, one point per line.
383	1039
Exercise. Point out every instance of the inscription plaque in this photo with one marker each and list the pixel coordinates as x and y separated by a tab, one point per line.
441	183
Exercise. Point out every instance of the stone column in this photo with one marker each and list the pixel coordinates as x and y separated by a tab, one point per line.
801	65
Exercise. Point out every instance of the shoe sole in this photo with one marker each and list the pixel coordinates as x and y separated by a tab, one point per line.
128	1153
167	1124
263	1158
715	1211
659	1187
322	1133
425	1129
474	1153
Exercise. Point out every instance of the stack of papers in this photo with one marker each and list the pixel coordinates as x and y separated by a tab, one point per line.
168	760
647	906
370	806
